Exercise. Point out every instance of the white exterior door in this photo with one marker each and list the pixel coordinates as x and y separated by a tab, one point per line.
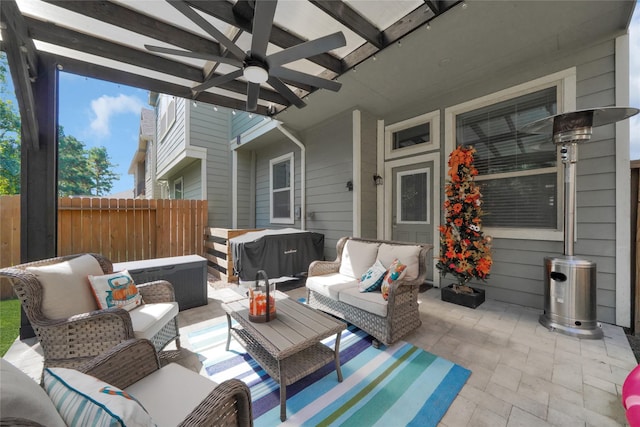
412	200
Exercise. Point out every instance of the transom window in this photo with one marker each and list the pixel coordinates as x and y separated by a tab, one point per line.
282	189
413	136
518	173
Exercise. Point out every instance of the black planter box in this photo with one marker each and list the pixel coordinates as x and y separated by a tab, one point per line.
467	300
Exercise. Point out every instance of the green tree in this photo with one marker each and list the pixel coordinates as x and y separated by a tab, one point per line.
81	172
74	177
101	170
9	137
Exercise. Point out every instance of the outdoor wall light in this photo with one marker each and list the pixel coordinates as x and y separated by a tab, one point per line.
350	185
377	179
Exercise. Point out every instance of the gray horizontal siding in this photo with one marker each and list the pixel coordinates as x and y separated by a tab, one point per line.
210	129
329	167
242	122
174	140
517	275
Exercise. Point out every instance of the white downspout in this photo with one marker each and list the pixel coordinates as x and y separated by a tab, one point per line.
303	175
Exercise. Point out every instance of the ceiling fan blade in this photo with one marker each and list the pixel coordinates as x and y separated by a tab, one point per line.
287	74
307	49
197	19
216	81
286	92
197	55
262	23
252	96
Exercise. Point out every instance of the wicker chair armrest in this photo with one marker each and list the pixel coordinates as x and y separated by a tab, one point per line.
319	268
124	364
157	291
88	318
228	404
18	422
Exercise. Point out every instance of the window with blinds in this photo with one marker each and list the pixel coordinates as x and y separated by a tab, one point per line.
518	173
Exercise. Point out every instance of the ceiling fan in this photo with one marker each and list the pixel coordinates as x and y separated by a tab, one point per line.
255	65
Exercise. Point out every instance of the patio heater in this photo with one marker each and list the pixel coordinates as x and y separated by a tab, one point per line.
570	281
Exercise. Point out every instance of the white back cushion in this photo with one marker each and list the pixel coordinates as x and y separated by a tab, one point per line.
65	286
22	397
406	254
357	257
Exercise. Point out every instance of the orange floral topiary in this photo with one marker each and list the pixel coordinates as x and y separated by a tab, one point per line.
464	250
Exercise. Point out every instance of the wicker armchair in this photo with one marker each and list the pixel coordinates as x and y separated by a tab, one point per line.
133	366
72	341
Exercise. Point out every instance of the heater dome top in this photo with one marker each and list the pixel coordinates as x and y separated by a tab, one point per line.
574	121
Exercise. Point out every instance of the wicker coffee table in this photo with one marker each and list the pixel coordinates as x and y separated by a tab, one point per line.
288	348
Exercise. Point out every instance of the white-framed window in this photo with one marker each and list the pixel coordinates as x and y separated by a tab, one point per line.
167	114
412	136
520	175
281	184
178	189
412	193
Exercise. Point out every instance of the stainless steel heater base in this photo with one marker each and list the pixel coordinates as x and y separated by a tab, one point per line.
570	297
591	334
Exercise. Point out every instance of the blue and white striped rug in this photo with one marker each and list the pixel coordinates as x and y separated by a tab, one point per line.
392	386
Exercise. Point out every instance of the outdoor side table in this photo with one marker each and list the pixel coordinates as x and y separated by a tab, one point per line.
289	347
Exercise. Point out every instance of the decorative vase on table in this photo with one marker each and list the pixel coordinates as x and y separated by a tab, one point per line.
465	252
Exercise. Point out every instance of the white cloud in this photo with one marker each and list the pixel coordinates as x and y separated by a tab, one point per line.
107	106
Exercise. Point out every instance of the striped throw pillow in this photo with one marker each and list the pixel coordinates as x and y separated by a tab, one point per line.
83	400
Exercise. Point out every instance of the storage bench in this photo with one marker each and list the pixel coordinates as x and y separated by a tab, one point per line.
187	274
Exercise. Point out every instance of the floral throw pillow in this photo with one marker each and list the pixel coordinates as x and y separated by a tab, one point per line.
396	271
371	280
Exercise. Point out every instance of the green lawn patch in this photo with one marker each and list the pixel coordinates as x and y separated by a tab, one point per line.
9	323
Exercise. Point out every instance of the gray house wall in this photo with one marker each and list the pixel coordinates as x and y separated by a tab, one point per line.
210	129
262	203
518	272
246	200
517	275
173	141
329	167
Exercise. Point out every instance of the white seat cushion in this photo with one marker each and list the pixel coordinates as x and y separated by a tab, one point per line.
357	257
330	285
406	254
164	393
148	319
65	286
368	301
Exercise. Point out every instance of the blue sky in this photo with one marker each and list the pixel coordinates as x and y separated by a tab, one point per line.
100	113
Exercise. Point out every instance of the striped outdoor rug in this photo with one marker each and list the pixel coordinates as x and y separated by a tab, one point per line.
392	386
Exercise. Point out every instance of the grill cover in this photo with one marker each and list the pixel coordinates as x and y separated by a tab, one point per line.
284	252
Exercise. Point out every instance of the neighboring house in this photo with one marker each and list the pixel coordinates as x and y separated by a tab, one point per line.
367	163
187	154
143	164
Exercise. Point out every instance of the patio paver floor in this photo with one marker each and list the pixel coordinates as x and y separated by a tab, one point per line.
522	374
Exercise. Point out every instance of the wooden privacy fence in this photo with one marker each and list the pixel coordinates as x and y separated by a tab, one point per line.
120	229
